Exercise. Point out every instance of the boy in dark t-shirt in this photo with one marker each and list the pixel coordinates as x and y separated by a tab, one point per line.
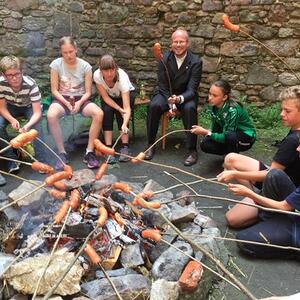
278	192
249	171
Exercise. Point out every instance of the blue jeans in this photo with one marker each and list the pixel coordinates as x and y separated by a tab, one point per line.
17	112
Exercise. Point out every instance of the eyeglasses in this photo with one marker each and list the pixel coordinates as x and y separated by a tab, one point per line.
178	42
15	75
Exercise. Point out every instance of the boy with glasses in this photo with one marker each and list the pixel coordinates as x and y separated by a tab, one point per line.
19	97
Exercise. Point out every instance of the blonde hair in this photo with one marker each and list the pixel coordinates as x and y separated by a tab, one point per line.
291	93
67	40
10	62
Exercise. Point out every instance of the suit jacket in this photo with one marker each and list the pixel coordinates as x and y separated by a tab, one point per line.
184	81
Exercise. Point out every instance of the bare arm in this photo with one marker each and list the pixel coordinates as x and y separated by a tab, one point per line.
242	190
54	80
253	176
37	114
127	110
103	93
88	87
4	112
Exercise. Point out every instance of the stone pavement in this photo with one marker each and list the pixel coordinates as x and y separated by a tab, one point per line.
263	278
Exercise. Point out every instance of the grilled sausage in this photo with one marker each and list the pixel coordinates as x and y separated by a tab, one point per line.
138	158
92	254
122	186
153	234
228	25
38	166
102	148
101	171
62	212
157	51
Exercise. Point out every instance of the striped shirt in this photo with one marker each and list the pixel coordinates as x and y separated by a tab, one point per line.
29	92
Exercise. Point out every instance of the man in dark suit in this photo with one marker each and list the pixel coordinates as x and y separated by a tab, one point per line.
179	91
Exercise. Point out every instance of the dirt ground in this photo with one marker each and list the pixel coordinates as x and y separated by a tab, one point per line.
263	278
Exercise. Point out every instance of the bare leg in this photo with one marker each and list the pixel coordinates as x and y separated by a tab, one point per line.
55	112
108	137
95	112
239	162
125	138
241	215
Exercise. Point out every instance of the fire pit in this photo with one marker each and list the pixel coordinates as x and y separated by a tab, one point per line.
137	250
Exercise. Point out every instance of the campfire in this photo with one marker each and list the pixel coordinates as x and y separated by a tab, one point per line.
103	238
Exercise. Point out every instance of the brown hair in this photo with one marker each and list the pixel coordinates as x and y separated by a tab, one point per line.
291	93
107	62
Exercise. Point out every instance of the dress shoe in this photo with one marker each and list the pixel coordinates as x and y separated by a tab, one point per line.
149	154
191	159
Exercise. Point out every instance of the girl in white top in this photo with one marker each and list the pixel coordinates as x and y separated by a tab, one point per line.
71	87
118	95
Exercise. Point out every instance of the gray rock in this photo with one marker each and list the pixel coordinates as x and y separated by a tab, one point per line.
23	190
131	256
242	49
111	14
283	47
260	75
181	214
153	186
115	273
19	297
3	196
24	275
34	23
160	247
288	79
5	260
210	64
21	4
164	290
268	93
172	262
209	5
129	286
80	178
204	221
154	219
105	181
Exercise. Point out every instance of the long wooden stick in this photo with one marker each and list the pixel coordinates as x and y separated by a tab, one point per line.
241	287
51	254
209	256
200	262
23	150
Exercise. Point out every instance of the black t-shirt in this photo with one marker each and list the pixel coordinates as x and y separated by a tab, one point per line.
288	156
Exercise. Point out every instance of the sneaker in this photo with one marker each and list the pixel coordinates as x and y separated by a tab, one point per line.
13	167
111	160
64	159
91	160
2	180
124	151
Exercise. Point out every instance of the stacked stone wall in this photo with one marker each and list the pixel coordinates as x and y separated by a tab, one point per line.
128	28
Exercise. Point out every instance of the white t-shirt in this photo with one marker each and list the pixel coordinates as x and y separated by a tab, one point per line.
121	86
71	80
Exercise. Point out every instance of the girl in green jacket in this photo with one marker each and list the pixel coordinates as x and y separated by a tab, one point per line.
231	129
